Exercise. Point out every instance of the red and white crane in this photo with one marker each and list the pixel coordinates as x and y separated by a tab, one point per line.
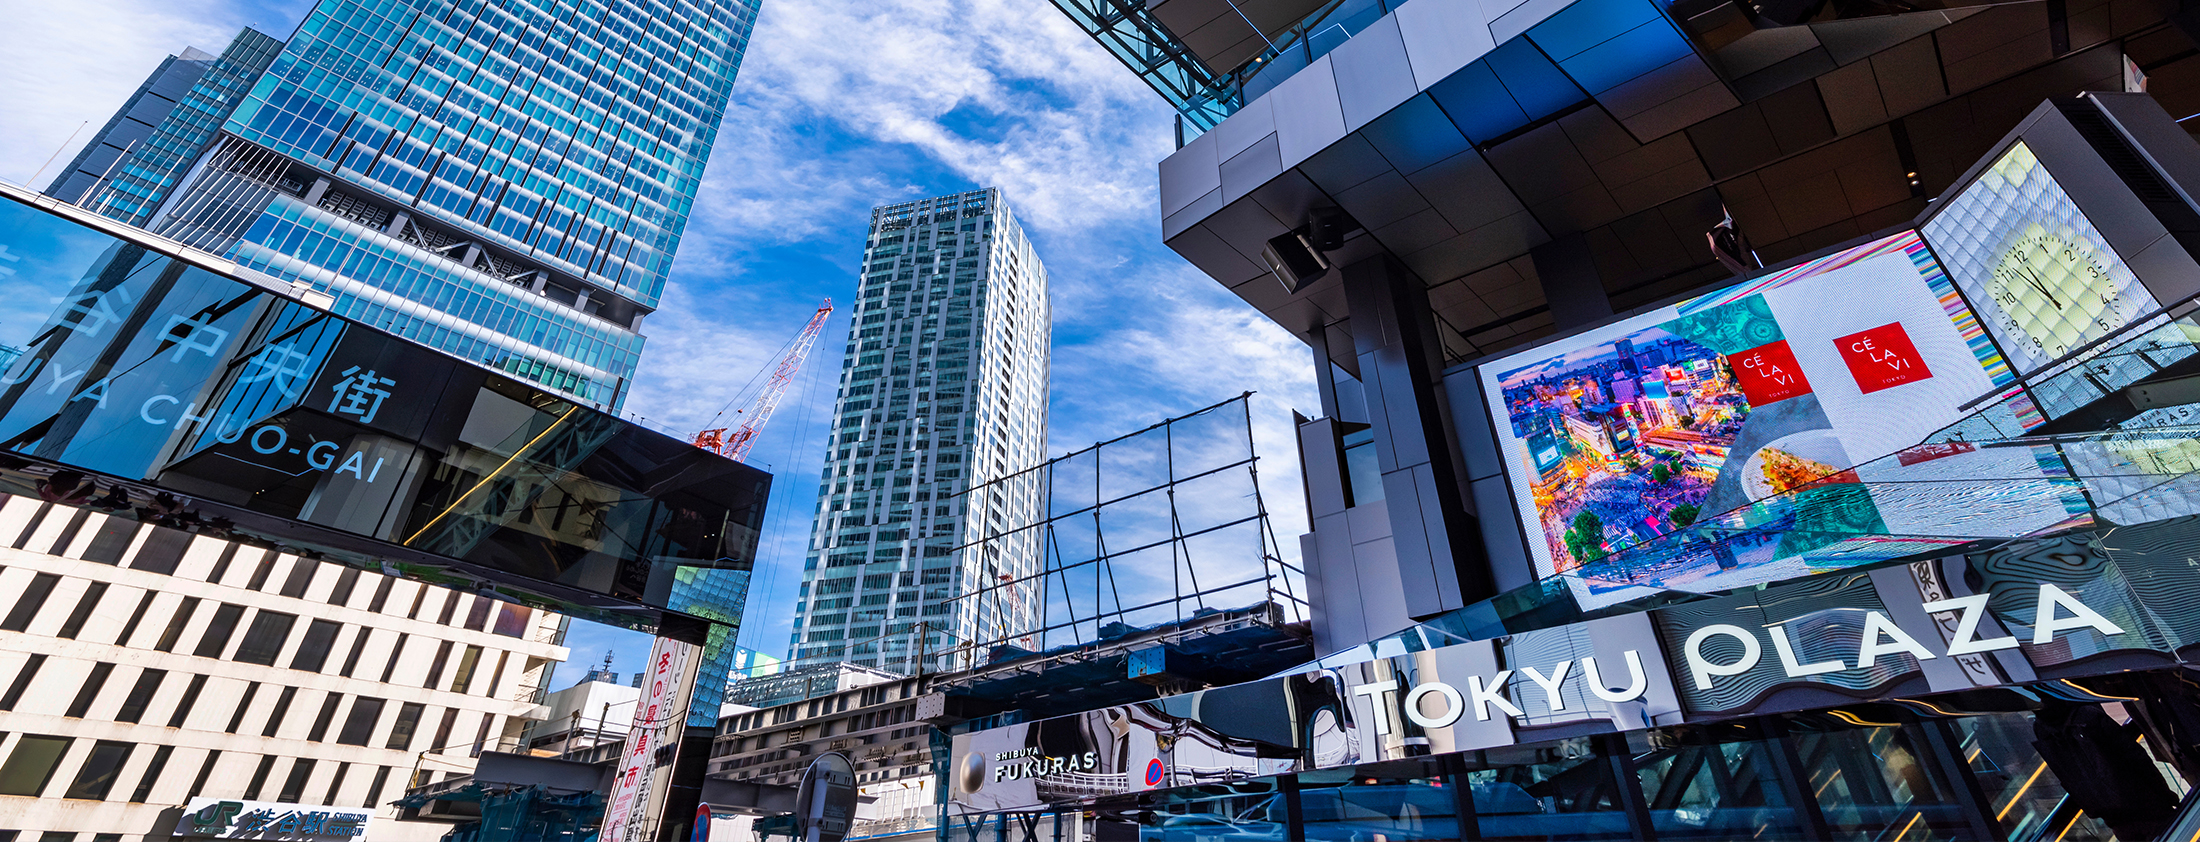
736	443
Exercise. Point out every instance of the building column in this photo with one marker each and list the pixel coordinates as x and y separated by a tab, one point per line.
1440	561
1571	285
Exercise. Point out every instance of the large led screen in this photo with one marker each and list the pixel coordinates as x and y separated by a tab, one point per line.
1635	430
2045	281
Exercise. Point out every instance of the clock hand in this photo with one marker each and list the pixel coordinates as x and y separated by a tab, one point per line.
2039	284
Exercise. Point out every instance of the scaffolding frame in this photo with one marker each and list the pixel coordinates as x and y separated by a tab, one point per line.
1054	616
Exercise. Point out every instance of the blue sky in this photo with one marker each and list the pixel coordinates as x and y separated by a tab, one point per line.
840	105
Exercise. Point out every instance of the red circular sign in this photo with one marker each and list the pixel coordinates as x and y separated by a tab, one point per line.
1153	772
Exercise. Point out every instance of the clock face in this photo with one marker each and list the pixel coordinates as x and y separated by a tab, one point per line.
2051	293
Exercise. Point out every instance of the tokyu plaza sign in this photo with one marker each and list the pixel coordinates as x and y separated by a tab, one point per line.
2057	612
1863	634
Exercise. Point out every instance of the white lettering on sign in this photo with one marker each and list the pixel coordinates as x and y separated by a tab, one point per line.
1034	765
1483	695
266	440
1704	670
1786	649
1378	702
2057	612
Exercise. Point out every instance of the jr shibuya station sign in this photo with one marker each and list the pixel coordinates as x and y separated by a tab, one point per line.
2085	604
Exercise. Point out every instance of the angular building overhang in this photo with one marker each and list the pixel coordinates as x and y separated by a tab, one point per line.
1465	136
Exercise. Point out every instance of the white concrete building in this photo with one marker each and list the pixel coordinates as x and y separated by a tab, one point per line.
588	721
141	667
943	390
875	726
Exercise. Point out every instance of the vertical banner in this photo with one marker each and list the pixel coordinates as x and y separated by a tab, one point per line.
660	717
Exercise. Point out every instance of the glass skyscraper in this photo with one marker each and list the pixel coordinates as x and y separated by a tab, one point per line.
943	400
505	181
132	166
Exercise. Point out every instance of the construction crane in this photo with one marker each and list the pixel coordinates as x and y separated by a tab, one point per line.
736	443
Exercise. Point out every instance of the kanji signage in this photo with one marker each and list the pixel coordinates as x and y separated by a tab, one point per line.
225	818
637	791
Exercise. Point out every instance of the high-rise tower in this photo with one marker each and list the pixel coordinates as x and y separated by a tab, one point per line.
130	168
942	394
506	182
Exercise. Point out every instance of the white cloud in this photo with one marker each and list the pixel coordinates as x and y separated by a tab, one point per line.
59	81
1005	93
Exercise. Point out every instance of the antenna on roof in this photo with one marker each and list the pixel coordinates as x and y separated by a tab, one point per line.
56	154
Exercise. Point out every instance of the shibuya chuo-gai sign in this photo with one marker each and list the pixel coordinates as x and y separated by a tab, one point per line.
220	818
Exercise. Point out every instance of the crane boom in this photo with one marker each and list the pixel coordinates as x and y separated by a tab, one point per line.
735	444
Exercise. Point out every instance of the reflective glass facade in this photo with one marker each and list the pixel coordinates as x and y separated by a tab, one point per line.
200	401
943	390
144	179
548	149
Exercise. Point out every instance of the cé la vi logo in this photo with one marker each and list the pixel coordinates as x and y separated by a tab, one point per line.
2056	612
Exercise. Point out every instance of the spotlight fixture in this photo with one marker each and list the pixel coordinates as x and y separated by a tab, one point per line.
1298	256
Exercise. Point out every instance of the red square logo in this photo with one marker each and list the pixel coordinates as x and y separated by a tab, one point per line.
1768	373
1882	358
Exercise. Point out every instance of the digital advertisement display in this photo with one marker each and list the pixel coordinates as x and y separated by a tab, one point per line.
1635	430
2044	279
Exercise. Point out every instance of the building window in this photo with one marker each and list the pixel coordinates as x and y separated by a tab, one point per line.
336	783
408	721
466	664
327	717
83	612
282	710
260	573
89	693
477	614
162	551
481	735
141	695
97	775
359	725
22	681
313	648
374	790
397	650
443	731
358	648
381	594
236	720
176	624
435	667
31	765
130	628
512	621
219	630
259	777
294	787
152	774
27	605
221	564
206	770
270	630
183	705
346	582
301	578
